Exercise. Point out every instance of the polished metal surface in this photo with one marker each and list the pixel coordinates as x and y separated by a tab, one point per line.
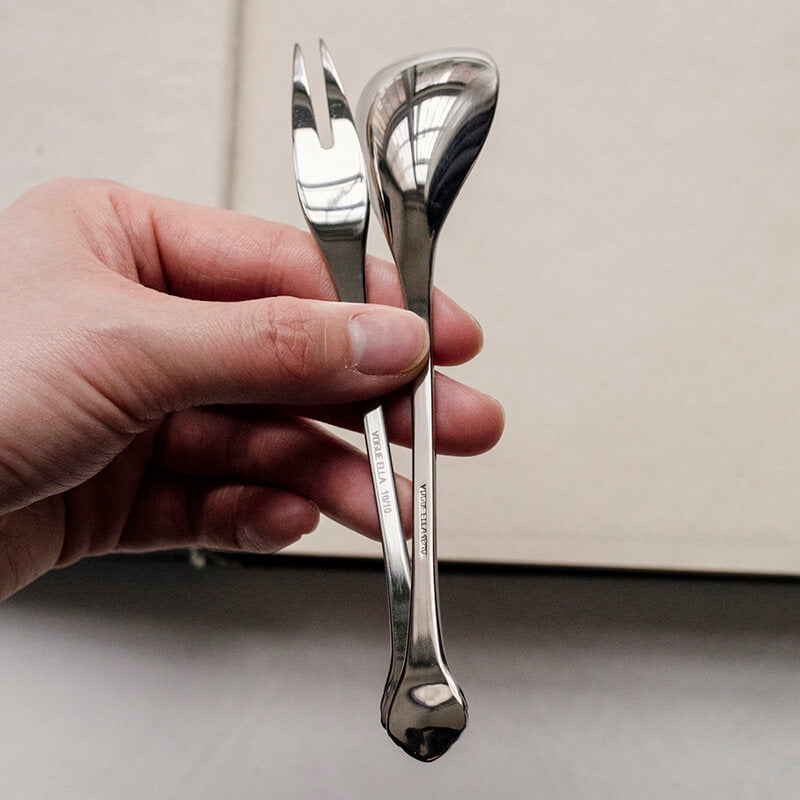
423	122
332	187
331	182
395	552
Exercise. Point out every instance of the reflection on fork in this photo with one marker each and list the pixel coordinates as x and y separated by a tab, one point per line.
331	182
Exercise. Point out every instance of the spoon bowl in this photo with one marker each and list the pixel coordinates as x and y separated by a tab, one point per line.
423	121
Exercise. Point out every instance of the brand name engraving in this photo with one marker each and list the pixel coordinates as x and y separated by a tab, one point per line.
423	519
382	473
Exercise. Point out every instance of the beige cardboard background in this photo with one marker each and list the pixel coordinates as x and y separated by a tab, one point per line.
628	238
629	241
134	91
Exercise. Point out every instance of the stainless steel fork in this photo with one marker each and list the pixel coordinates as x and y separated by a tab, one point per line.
333	192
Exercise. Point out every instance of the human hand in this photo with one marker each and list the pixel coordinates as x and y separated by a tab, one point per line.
163	365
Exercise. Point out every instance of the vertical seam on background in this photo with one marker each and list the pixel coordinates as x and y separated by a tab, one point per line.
232	106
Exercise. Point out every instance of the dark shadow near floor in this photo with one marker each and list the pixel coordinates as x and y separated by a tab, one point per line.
498	606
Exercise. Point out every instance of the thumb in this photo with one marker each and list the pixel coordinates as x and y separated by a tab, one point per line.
278	350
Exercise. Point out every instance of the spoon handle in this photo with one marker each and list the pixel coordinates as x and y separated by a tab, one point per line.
425	644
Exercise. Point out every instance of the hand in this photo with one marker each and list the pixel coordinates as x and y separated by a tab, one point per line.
162	365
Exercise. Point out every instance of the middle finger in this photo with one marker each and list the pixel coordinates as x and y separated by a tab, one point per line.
277	450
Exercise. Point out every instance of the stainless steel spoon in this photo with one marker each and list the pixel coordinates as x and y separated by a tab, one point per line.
423	122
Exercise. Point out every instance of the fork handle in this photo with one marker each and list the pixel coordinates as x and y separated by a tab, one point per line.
395	552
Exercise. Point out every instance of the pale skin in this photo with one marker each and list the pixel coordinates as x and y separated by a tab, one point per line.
164	369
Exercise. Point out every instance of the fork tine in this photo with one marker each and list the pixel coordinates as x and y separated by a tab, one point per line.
334	92
302	110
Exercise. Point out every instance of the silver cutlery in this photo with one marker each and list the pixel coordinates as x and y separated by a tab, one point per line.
332	187
423	122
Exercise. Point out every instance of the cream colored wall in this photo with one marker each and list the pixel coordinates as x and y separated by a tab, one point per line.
628	238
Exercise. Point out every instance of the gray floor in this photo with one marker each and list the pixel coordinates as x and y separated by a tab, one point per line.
128	679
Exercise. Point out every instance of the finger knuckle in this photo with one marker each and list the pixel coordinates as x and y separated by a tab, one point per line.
120	371
289	335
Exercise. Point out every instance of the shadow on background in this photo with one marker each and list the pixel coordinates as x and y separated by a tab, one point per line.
151	678
499	607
